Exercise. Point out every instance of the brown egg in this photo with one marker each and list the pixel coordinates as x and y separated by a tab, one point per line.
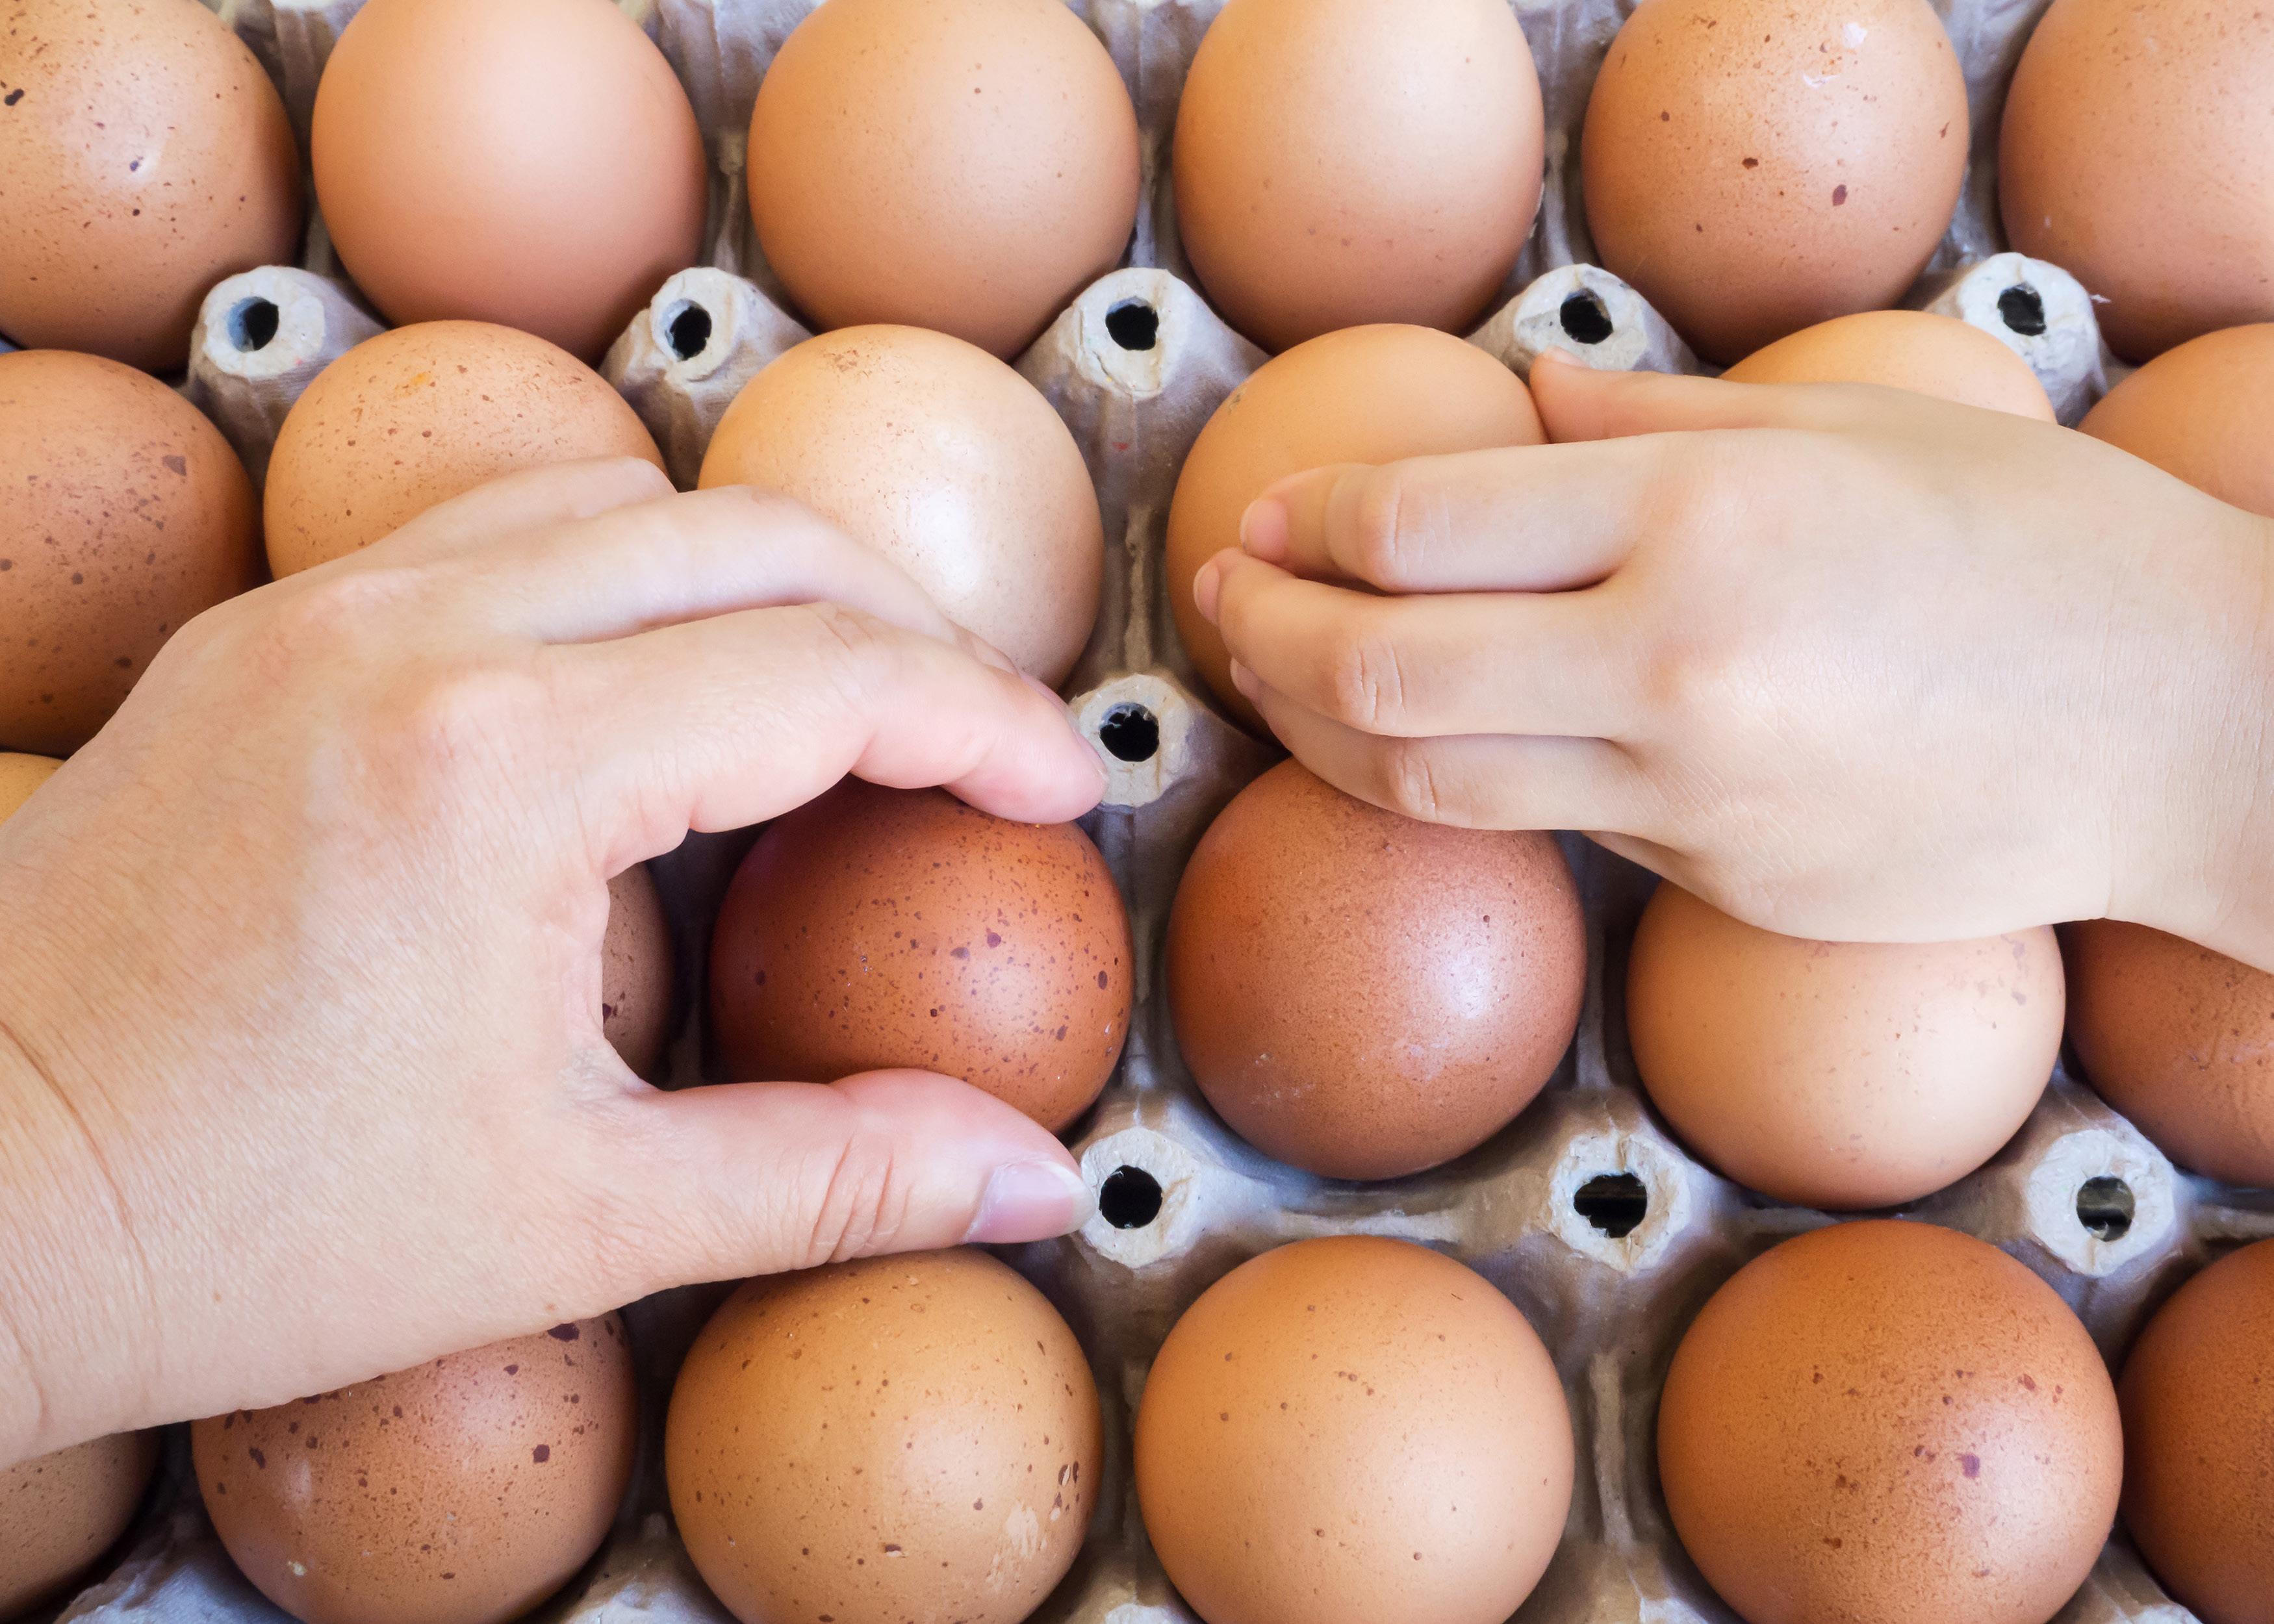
1368	394
417	416
1349	1430
944	460
19	776
123	514
636	971
143	156
1754	167
1938	356
1347	161
899	1438
2198	1397
2204	411
60	1512
1835	1074
964	165
2138	153
878	927
1365	995
532	162
1888	1423
463	1491
2181	1039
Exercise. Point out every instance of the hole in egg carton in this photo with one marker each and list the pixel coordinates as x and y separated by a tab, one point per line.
2106	1205
1615	1203
1134	325
1129	1199
687	327
1584	318
1130	732
2022	309
252	324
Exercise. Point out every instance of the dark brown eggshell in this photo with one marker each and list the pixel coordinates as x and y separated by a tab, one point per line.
2198	1396
59	1513
899	1438
1890	1423
462	1491
1365	995
2204	412
876	928
636	969
123	514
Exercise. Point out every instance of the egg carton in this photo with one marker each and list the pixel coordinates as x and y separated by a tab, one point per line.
1585	1210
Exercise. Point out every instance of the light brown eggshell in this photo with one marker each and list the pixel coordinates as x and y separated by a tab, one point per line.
1345	162
945	461
462	1491
2198	1398
2181	1039
878	927
2204	411
143	156
636	966
414	416
1888	1423
2137	154
123	514
899	1438
964	165
1753	167
1366	996
531	163
1832	1074
19	776
1913	350
1350	1430
60	1512
1366	394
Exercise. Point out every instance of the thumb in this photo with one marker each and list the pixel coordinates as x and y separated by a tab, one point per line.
1577	401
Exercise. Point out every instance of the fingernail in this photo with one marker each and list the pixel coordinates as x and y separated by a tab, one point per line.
1208	584
1030	1201
1263	530
1244	679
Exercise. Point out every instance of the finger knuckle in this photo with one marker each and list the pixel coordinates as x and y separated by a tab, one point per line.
442	722
850	647
863	1204
1365	683
1378	543
1410	781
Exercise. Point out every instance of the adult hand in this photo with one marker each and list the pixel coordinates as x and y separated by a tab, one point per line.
1848	663
302	1077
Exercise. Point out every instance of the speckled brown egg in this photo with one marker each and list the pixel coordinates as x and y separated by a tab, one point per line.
1888	1423
1366	394
19	776
945	461
2137	154
1913	350
2198	1398
878	927
123	514
2181	1039
418	414
143	155
1836	1074
463	1491
1753	167
1347	161
899	1438
964	165
1365	995
60	1512
636	966
2204	411
1344	1430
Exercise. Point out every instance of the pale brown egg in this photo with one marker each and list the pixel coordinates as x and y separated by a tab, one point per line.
59	1513
2137	154
123	514
1926	354
462	1491
19	776
1832	1074
1345	162
2181	1039
964	165
899	1438
945	461
1350	1430
2204	411
531	163
636	966
1366	394
143	156
418	414
1753	167
880	927
1364	995
2198	1398
1889	1423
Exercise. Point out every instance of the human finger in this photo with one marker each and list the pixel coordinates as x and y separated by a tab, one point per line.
1578	403
532	499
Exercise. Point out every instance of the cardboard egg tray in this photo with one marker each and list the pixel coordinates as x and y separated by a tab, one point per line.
1585	1210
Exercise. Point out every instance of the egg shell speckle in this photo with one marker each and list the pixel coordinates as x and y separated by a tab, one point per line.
2204	412
1914	350
60	1512
899	1438
637	967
